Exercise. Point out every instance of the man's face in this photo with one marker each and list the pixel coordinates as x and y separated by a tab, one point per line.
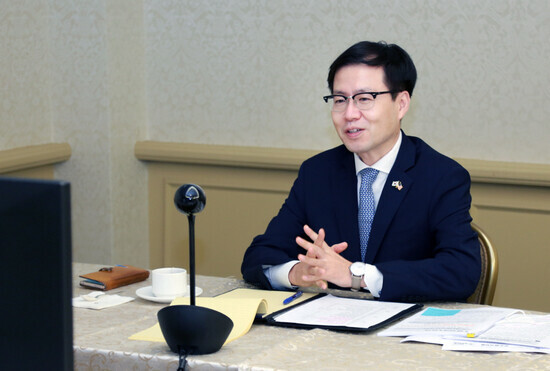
373	132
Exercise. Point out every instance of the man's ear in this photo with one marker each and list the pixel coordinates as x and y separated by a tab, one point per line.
403	102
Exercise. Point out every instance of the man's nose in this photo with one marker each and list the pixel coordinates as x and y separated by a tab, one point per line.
352	112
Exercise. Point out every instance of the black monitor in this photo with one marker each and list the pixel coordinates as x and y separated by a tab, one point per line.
36	324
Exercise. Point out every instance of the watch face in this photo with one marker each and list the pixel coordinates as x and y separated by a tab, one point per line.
357	269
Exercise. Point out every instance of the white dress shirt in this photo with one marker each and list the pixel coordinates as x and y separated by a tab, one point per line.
374	280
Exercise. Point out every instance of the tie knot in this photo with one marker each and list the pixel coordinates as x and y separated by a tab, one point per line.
368	175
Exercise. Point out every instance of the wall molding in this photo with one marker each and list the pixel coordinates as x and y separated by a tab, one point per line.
223	155
23	158
507	173
481	171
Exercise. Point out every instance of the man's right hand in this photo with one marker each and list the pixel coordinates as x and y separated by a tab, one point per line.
301	270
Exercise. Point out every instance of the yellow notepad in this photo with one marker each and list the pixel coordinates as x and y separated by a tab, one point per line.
271	300
241	305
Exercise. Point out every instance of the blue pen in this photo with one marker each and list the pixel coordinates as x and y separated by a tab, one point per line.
290	299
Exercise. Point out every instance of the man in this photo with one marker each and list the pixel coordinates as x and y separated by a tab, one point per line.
400	229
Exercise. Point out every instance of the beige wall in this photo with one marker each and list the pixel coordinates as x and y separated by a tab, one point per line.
73	72
103	75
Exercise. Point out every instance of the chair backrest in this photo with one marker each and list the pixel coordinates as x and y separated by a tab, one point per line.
485	290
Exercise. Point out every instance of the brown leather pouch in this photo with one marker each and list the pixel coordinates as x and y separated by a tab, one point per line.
112	277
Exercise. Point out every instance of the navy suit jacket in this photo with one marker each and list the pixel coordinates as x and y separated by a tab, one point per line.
421	239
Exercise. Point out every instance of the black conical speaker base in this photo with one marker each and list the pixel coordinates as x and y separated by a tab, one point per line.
195	330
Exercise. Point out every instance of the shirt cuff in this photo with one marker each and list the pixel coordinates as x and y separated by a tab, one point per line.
277	275
374	280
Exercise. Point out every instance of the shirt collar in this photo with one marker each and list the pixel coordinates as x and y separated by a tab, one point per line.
385	163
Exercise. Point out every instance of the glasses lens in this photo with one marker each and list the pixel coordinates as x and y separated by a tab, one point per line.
364	101
338	103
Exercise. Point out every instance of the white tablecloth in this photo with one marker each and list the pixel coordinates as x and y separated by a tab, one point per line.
101	343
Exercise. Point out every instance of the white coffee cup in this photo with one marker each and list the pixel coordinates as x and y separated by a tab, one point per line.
169	282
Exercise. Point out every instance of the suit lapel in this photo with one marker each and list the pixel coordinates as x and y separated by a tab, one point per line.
392	196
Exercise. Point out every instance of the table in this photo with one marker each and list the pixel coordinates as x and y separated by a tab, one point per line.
101	342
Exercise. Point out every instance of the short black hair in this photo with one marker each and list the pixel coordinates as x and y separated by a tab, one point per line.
399	69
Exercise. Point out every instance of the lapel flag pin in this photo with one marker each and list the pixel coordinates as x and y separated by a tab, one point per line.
397	184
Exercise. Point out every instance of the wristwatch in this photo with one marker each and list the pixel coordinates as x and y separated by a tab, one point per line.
357	271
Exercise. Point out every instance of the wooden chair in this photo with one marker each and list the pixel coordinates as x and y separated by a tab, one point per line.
485	290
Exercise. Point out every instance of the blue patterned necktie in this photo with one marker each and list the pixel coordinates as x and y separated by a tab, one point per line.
366	207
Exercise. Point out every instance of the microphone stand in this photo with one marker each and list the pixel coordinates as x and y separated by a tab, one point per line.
192	329
191	219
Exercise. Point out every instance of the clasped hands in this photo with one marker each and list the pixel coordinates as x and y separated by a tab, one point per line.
321	263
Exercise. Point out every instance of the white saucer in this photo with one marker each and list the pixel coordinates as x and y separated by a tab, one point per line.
147	294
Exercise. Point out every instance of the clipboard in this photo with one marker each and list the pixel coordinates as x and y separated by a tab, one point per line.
336	313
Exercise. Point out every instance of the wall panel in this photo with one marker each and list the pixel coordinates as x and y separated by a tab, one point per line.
517	219
511	202
239	204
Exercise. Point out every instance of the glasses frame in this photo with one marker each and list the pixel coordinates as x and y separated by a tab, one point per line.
352	97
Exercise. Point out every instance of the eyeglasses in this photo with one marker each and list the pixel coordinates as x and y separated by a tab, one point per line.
363	101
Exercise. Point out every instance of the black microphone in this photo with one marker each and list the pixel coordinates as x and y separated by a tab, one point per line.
190	199
191	329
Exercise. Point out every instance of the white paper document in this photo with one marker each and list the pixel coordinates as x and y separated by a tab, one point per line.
518	330
333	311
515	332
459	322
479	346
